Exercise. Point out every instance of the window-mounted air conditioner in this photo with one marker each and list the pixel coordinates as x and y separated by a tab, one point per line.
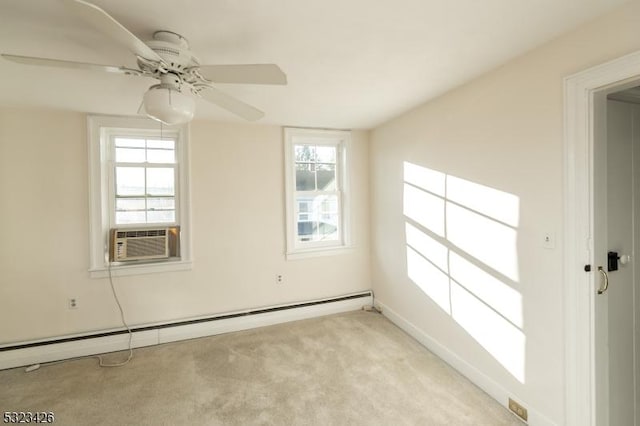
140	244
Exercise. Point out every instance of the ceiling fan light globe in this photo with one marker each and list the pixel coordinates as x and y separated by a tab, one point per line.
169	105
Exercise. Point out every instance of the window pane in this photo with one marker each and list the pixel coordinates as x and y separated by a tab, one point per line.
161	203
130	217
161	216
326	154
123	204
306	231
305	177
328	217
322	220
310	231
130	181
160	181
328	231
329	204
161	156
326	177
161	144
129	155
303	206
130	143
306	203
316	205
305	153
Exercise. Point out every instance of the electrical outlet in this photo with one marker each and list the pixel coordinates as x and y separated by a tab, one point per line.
279	279
518	409
73	303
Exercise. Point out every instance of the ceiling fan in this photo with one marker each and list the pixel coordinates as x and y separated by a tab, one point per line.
168	59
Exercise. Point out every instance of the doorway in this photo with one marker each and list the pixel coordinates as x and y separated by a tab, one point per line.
588	397
616	218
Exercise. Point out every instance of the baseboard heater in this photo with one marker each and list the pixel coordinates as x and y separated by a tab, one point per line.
259	311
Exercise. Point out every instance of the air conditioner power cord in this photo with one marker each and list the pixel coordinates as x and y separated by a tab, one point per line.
124	322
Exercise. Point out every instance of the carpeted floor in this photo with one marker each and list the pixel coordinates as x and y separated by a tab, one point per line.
349	369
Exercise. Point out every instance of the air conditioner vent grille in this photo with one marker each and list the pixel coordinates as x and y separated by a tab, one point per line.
141	233
145	247
138	244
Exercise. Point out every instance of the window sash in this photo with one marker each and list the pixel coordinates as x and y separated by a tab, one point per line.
114	196
318	220
316	241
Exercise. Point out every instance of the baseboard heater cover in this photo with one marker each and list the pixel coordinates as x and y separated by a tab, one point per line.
176	324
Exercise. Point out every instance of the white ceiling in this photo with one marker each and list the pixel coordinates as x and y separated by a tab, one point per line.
349	63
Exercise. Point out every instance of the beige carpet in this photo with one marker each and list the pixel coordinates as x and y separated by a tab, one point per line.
348	369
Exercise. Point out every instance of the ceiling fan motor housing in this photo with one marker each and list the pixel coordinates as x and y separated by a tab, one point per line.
174	50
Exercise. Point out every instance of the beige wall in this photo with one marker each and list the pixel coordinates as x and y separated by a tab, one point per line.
504	130
237	192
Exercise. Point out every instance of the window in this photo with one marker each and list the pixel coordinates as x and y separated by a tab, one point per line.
138	179
144	176
316	191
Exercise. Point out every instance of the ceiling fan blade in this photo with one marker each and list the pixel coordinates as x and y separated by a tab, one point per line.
29	60
114	29
244	74
230	103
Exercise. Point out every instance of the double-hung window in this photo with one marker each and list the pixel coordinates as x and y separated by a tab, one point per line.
144	174
138	180
316	191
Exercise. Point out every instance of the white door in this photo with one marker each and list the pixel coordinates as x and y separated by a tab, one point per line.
601	295
615	215
622	121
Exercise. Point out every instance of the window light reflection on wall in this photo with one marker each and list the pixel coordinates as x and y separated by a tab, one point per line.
461	246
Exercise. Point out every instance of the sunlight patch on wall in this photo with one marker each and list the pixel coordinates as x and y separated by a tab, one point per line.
489	241
431	280
504	341
423	178
503	298
499	205
424	208
461	243
431	249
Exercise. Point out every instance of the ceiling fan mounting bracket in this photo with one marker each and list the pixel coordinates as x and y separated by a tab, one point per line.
150	67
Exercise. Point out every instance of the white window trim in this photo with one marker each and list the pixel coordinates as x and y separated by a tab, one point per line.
343	245
99	204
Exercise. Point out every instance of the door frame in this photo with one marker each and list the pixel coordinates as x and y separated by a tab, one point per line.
579	286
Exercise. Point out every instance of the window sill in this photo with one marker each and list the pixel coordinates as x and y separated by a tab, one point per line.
318	252
142	268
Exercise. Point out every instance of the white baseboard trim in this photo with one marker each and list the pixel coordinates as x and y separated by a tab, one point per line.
92	346
193	331
484	382
75	349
